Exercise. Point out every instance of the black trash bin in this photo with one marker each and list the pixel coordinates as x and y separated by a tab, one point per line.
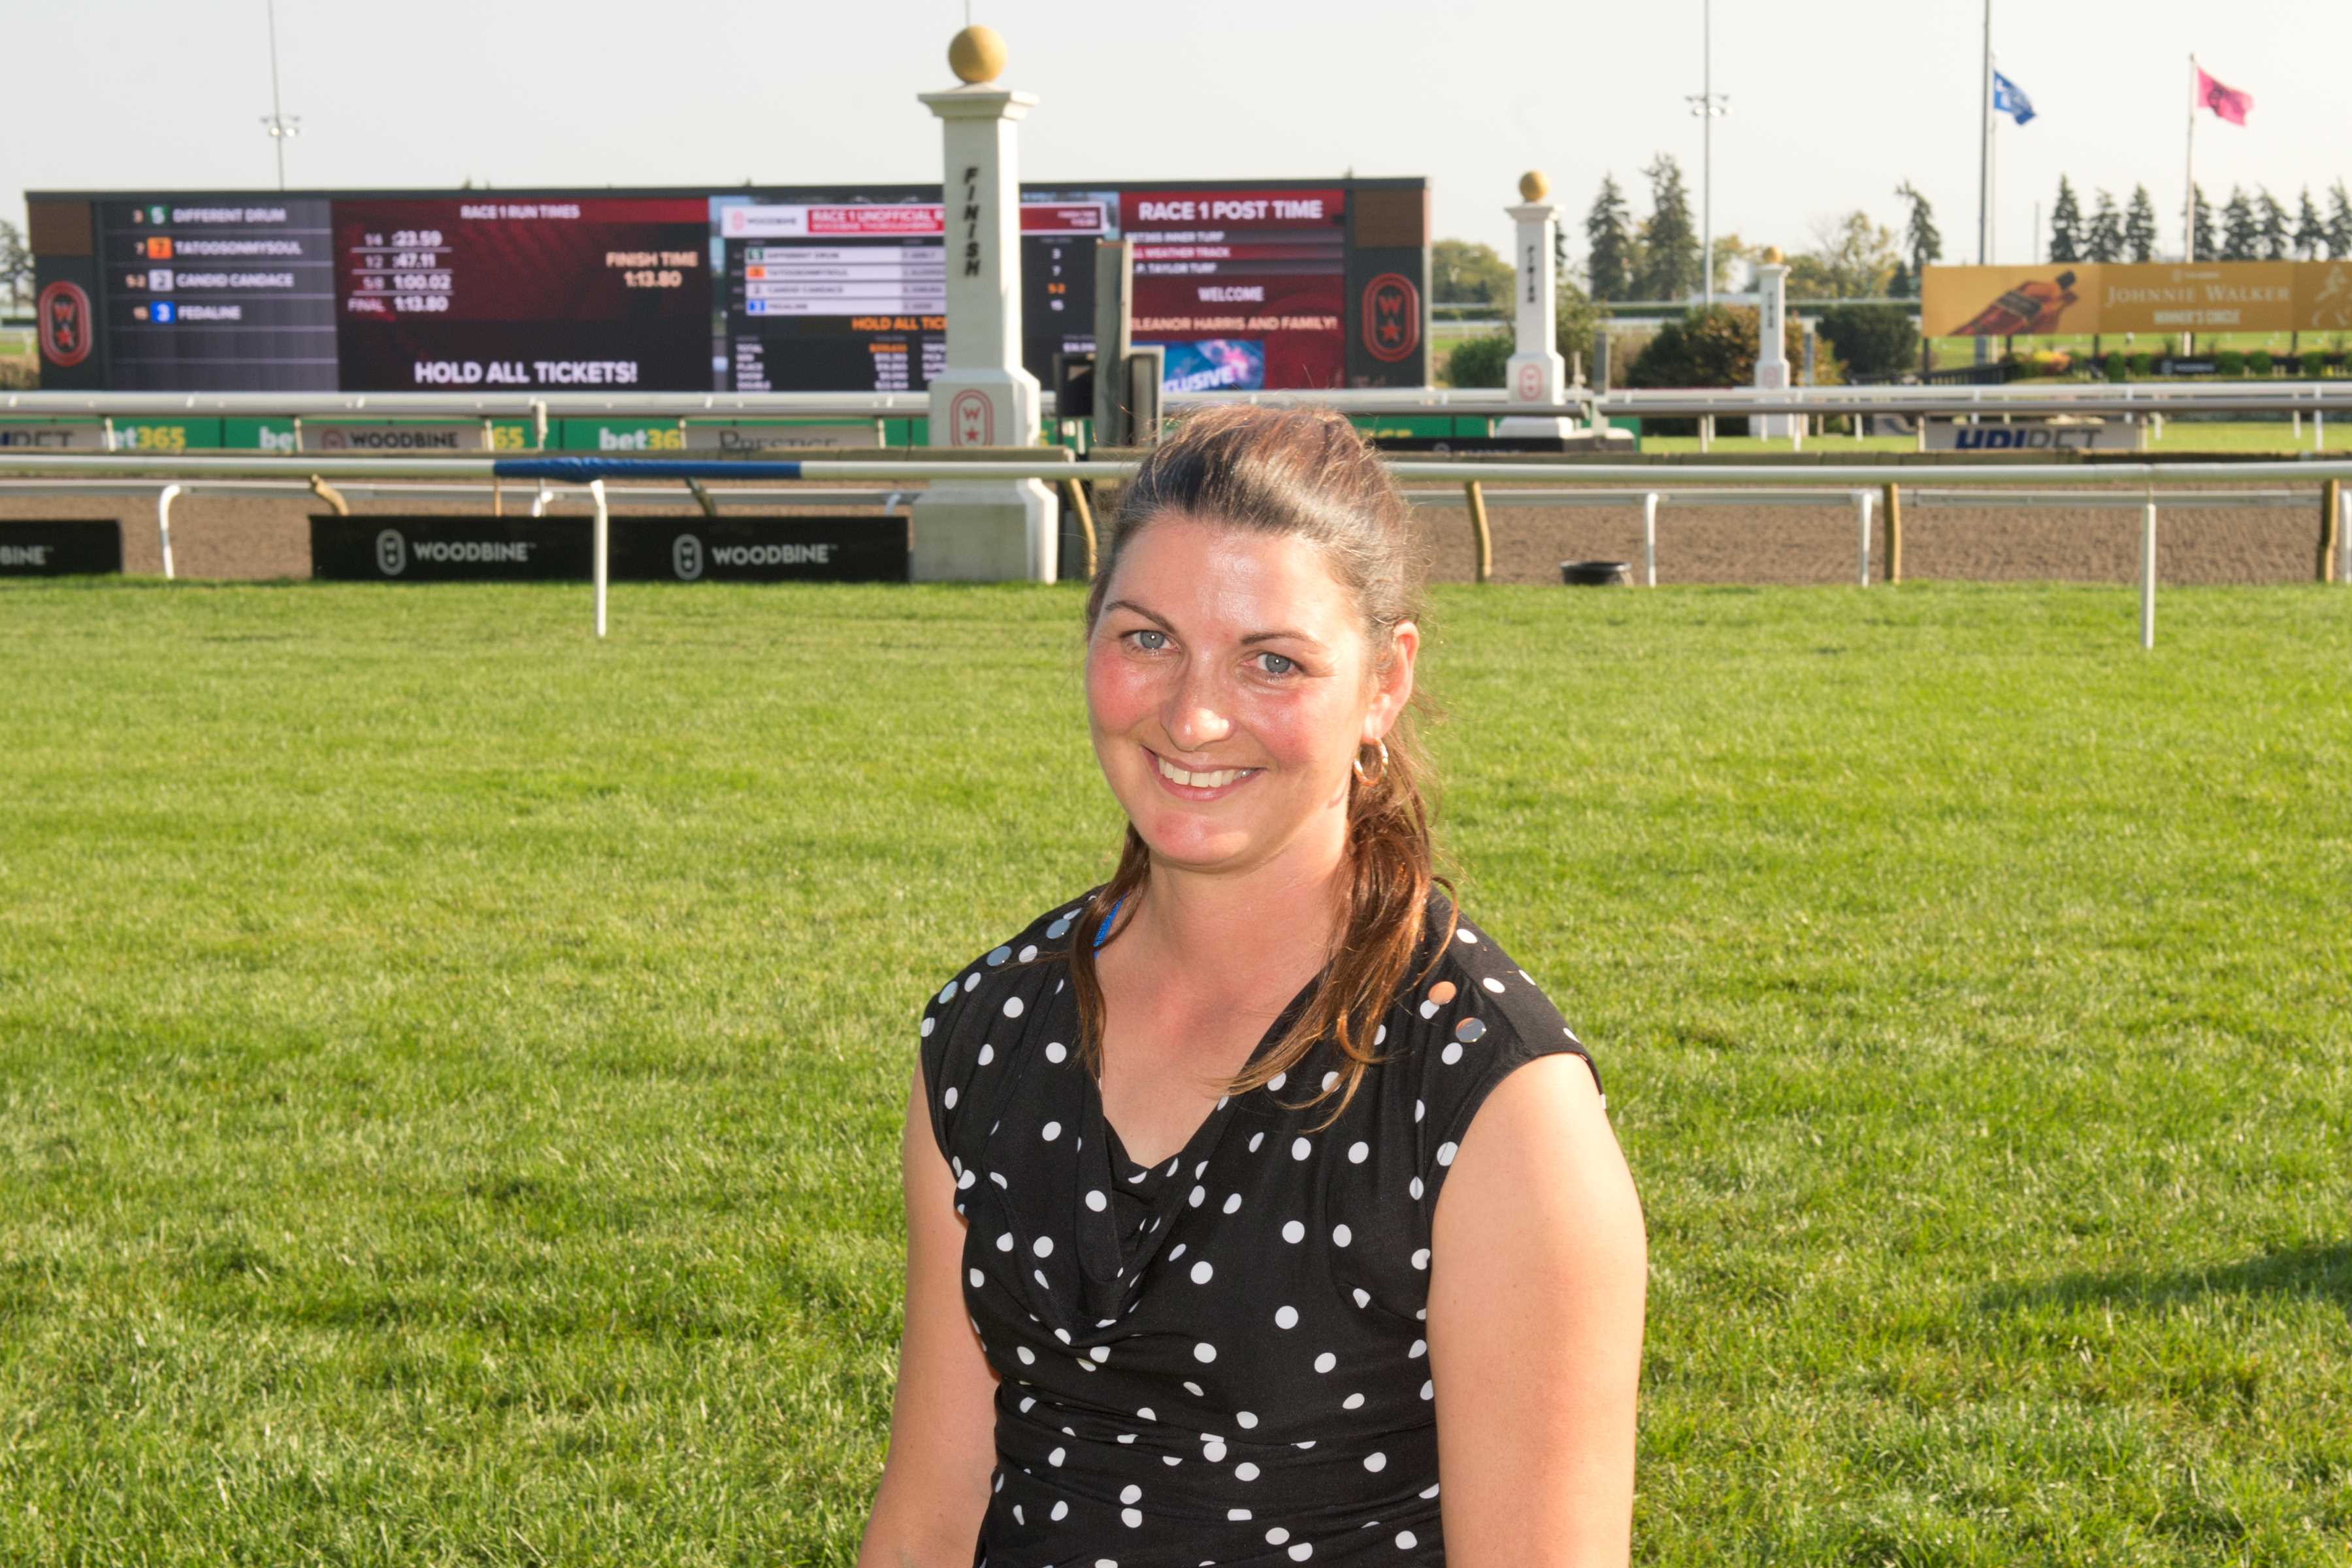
1596	573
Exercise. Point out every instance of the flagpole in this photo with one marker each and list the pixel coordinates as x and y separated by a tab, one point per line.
2189	197
1992	166
1984	150
1984	171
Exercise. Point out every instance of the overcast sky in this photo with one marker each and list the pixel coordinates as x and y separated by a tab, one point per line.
1833	102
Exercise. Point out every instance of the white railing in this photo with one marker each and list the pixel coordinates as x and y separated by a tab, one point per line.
1858	481
1587	405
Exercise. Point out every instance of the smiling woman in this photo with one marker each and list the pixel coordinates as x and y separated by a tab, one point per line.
1180	1285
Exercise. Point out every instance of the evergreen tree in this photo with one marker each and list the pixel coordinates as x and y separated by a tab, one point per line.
2271	226
2340	222
2104	240
1670	263
15	266
2207	242
1900	283
1920	239
1609	241
2139	227
2066	224
2310	234
2242	232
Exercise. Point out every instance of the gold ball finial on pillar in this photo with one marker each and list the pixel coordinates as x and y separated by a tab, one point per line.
976	55
1771	257
1533	186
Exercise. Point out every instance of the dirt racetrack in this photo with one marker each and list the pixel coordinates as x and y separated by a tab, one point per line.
236	537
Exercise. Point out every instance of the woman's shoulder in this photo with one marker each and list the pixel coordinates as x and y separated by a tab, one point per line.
1467	1015
986	1007
1045	935
1006	978
1469	1011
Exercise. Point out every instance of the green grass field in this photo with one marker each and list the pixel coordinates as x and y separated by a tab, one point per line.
449	1070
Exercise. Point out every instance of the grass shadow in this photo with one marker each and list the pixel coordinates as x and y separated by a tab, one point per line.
2323	1270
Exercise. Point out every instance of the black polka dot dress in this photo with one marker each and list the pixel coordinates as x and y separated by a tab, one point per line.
1221	1359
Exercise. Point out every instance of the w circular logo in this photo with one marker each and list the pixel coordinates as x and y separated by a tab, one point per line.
390	552
63	310
1392	317
685	557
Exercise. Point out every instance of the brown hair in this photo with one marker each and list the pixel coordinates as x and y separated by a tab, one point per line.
1303	471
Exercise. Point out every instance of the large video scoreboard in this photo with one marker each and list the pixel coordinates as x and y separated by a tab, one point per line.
1264	285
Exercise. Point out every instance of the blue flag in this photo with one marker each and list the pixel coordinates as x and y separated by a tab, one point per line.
2008	98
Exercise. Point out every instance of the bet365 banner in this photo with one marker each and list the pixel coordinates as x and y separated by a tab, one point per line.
2136	296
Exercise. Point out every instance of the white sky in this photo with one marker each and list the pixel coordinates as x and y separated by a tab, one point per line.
1834	101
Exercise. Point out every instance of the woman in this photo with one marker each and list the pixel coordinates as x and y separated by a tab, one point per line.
1181	1286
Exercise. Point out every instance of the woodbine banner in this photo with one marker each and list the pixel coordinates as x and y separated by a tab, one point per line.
2136	296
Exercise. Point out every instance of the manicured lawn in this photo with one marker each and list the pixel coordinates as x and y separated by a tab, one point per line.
450	1071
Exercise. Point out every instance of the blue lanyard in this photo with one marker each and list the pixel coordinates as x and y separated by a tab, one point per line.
1105	931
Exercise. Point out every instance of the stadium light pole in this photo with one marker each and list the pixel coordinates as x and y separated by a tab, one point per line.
1708	104
280	124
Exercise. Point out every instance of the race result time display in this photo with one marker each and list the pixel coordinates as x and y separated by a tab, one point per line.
523	294
827	295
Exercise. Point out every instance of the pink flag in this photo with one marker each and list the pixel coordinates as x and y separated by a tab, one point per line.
2226	101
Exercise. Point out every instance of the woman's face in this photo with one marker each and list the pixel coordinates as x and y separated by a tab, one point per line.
1235	659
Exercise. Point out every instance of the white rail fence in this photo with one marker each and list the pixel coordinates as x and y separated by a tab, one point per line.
2291	398
1860	482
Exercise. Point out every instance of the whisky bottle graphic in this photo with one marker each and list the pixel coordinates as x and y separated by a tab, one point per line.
2032	306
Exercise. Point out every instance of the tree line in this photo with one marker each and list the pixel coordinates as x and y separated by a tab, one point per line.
1659	255
2253	228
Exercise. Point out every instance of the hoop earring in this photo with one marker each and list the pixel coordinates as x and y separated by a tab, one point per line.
1358	765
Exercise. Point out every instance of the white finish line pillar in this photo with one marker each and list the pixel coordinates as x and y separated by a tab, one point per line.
1006	530
1536	375
1772	349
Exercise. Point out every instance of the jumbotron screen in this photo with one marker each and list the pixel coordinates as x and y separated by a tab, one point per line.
1250	285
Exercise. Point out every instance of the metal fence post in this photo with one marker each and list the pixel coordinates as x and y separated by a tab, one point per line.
603	545
163	525
2148	571
1862	501
1482	538
2331	520
1894	534
1650	538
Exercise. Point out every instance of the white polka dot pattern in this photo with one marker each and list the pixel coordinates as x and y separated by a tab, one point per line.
1256	1298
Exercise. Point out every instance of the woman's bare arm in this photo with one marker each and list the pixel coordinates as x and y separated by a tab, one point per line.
934	1487
1539	1273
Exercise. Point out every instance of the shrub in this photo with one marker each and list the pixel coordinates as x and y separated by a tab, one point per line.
1872	340
1479	362
2117	369
1711	346
1716	346
2229	362
2142	364
2259	361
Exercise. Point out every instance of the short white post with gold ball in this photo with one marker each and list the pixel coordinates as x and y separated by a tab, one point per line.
1003	530
1536	375
1771	349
